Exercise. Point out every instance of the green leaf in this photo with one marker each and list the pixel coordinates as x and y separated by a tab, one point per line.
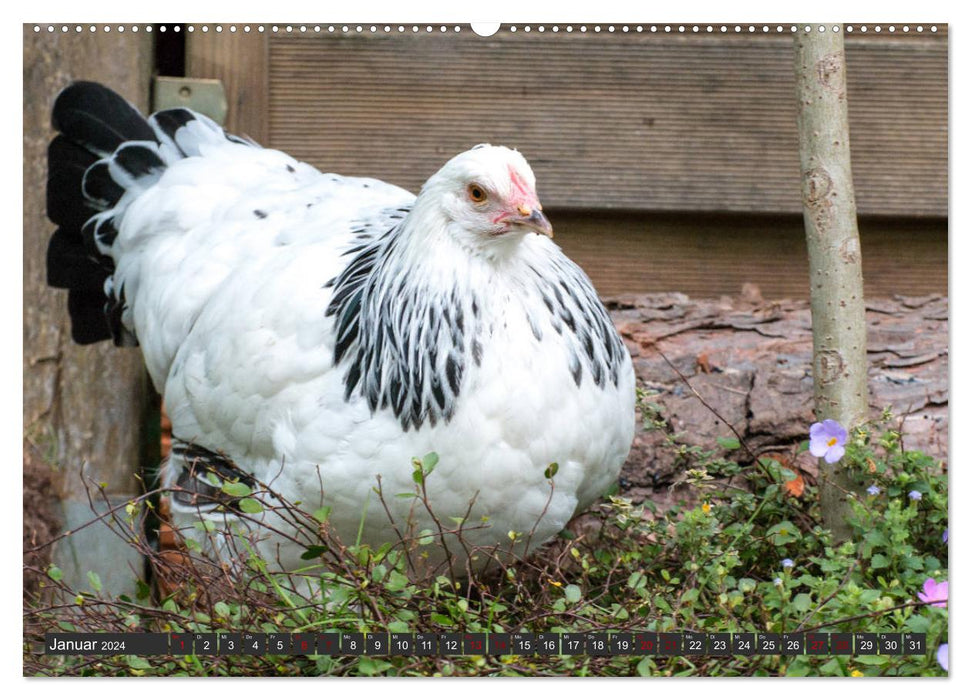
222	609
746	585
379	572
396	582
918	623
95	581
832	668
398	626
878	561
429	462
55	573
798	668
612	490
322	514
784	533
913	563
619	612
802	602
442	620
572	593
368	666
236	489
551	470
313	552
871	660
137	663
645	667
250	505
729	443
876	538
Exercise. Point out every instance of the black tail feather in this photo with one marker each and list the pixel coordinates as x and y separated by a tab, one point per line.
71	266
66	163
106	149
94	122
88	321
98	118
139	160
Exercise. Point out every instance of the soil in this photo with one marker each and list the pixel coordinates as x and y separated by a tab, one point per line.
749	360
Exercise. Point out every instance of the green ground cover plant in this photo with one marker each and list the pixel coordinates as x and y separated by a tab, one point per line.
751	556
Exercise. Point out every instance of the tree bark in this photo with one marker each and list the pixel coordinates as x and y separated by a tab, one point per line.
835	272
83	407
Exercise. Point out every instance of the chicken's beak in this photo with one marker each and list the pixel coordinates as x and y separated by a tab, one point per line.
532	218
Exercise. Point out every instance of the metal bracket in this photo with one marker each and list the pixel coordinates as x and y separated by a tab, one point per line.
204	95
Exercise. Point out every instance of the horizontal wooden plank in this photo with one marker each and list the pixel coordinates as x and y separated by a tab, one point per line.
709	255
629	122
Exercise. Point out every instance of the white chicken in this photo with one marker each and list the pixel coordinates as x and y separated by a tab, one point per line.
312	333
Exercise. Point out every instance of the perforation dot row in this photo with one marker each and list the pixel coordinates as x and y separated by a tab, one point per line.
569	28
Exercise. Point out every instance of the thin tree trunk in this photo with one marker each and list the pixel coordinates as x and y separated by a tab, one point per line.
835	272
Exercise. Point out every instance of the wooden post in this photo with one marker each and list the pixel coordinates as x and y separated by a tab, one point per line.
83	406
239	60
835	272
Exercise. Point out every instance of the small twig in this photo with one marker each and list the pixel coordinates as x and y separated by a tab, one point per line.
394	526
876	613
546	506
741	440
438	524
99	517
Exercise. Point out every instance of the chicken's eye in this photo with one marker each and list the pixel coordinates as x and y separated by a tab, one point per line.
477	193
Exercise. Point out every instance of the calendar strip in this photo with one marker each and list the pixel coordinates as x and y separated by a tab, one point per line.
494	644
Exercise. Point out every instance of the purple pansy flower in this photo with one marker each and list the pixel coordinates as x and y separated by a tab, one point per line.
934	591
942	656
914	495
826	440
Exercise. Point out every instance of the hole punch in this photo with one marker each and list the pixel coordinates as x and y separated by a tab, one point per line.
485	28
